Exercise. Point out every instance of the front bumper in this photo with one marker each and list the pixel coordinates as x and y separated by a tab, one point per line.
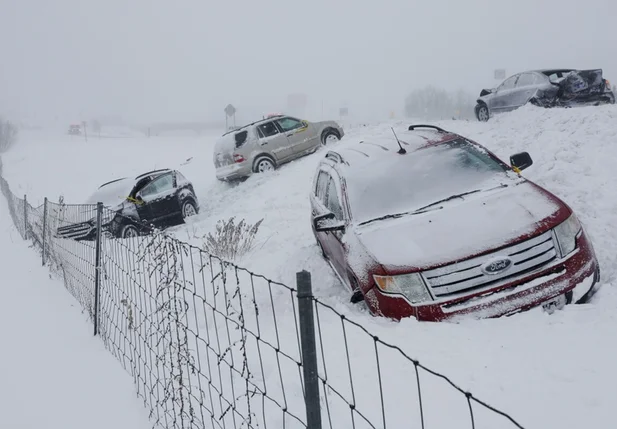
576	276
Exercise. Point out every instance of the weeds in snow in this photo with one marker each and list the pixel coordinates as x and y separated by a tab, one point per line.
231	240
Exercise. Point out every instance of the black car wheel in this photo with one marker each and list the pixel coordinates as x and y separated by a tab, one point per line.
129	231
482	112
188	209
329	136
356	295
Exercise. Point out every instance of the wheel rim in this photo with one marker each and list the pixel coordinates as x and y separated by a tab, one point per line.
331	138
130	232
264	165
483	114
189	210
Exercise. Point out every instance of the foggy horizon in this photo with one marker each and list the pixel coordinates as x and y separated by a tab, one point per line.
152	60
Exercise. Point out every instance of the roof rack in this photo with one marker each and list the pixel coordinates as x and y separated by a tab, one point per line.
112	181
413	127
151	172
254	123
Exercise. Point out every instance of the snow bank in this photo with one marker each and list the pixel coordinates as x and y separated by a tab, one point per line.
54	373
533	365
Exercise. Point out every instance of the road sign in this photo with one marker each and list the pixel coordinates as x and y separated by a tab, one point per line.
230	110
500	74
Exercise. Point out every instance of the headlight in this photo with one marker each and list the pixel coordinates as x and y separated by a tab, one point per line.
410	286
566	233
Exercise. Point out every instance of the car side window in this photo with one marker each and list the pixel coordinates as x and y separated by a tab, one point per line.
162	184
509	83
267	130
320	188
525	79
333	202
289	124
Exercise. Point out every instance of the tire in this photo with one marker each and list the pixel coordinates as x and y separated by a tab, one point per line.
482	113
263	164
189	208
329	136
129	231
357	295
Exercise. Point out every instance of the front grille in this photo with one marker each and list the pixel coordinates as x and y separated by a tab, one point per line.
468	275
75	231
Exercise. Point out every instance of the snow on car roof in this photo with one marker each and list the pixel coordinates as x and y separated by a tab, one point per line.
368	149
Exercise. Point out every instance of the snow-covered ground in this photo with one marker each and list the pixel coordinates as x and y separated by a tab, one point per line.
54	374
547	371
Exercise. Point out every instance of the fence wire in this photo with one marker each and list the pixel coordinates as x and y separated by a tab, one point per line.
213	345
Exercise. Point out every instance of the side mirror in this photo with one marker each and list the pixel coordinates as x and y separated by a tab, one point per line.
328	223
520	161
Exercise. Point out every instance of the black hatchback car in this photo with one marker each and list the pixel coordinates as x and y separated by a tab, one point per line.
159	198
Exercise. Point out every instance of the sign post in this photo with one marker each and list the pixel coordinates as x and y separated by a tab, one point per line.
230	111
500	74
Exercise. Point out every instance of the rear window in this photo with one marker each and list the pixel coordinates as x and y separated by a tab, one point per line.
241	138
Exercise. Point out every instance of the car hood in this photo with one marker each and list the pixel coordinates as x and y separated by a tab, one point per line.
461	229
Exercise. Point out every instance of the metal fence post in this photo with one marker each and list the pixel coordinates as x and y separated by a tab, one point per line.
44	227
97	266
309	350
25	217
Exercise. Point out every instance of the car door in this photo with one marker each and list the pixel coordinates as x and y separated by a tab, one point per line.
337	248
160	198
318	202
272	140
526	87
301	136
502	97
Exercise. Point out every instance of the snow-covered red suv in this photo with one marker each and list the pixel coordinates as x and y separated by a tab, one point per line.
431	224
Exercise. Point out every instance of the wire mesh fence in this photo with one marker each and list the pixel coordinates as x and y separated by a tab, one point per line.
213	345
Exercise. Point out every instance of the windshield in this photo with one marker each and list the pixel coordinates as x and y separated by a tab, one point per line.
112	194
404	183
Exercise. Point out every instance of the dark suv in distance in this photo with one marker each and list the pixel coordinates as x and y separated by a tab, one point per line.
433	225
159	198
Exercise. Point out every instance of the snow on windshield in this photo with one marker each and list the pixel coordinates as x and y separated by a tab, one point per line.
113	193
403	183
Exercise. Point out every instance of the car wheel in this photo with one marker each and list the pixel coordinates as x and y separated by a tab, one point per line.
329	137
188	209
482	113
129	231
357	295
263	165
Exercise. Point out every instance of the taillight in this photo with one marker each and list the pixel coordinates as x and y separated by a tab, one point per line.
608	84
238	157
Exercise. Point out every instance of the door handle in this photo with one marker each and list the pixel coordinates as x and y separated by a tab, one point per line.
289	135
264	143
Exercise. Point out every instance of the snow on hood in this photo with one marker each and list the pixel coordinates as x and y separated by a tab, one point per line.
112	194
461	229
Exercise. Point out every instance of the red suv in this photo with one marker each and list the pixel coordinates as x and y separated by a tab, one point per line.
431	224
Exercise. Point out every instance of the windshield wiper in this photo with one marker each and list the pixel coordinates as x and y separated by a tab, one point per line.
425	208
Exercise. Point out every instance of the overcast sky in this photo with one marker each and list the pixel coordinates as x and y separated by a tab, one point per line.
186	59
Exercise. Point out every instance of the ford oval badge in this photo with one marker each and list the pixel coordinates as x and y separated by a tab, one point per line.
496	265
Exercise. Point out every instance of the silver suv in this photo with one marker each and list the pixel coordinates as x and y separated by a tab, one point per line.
266	144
